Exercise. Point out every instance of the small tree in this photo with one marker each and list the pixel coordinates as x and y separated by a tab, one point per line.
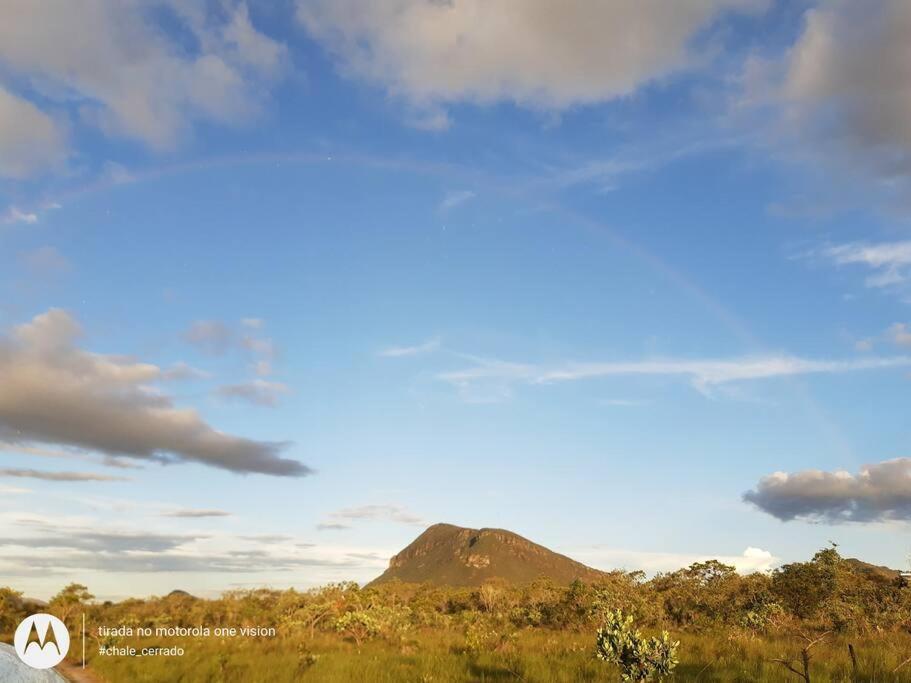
10	608
639	659
359	625
70	600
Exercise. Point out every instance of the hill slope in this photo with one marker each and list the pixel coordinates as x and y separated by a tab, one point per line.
873	572
455	556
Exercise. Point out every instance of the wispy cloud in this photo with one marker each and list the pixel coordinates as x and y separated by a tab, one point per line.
210	336
47	475
603	174
189	513
15	215
69	454
900	334
61	546
341	519
216	337
45	262
455	198
258	392
702	374
399	351
262	349
183	371
888	261
625	402
878	492
332	526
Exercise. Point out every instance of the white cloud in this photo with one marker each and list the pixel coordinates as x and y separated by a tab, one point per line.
126	74
534	52
497	375
889	263
751	560
30	140
878	492
14	215
399	351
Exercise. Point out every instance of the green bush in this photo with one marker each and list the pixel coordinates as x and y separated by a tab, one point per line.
639	659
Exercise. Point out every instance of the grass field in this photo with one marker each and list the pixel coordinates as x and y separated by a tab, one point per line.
536	655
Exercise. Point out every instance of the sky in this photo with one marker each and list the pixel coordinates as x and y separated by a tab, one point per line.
282	284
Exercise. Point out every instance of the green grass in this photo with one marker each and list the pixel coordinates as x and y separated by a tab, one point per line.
538	655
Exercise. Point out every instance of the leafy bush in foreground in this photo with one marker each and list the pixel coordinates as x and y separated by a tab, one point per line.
639	659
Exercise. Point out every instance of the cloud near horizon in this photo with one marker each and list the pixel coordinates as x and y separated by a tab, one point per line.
751	560
879	492
52	392
62	548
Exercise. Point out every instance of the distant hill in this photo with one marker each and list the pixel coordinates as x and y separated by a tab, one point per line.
448	555
874	572
178	593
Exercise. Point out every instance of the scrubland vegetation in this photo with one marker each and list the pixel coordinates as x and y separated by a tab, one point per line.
795	622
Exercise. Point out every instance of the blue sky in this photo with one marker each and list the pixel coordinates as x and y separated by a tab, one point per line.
281	284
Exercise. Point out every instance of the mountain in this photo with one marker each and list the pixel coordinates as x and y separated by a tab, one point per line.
448	555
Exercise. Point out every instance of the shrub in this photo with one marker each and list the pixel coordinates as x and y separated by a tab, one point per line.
639	659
